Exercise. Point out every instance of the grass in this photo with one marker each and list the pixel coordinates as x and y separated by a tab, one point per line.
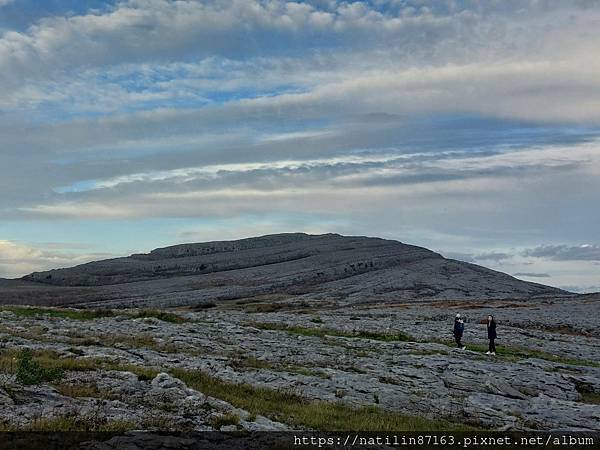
91	314
89	390
250	362
30	371
143	340
77	423
298	411
227	419
49	359
165	316
514	353
73	314
590	397
322	332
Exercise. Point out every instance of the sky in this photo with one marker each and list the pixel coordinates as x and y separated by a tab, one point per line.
469	127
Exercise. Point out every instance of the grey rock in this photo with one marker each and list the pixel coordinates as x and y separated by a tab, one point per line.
316	268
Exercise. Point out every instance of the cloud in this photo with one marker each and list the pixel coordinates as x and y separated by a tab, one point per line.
582	289
584	252
17	259
531	275
407	59
466	126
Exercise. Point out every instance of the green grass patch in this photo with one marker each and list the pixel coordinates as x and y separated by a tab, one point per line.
165	316
73	314
30	371
322	332
298	411
50	360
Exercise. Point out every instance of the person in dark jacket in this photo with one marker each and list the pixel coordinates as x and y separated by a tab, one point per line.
491	330
459	328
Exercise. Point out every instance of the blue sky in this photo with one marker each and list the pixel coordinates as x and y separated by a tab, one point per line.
468	127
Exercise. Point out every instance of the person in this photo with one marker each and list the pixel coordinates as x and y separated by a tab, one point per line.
459	328
491	330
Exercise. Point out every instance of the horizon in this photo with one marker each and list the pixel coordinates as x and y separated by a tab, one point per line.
148	251
469	129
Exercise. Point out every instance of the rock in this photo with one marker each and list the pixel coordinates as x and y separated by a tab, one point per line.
330	267
5	399
499	387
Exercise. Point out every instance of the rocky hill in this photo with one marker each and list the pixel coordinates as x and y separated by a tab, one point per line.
329	268
270	332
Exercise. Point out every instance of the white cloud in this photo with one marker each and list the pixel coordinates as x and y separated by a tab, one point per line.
532	65
18	259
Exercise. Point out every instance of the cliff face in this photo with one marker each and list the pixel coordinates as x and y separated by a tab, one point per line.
323	267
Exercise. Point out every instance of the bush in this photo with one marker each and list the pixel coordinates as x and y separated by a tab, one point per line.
30	372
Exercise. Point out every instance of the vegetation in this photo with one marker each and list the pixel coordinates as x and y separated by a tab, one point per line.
227	419
83	390
30	371
73	314
90	314
165	316
296	410
591	397
74	423
513	353
322	332
241	362
50	360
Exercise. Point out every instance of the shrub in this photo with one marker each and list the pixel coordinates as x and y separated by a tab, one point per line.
30	371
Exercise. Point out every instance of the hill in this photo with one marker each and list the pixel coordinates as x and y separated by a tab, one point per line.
329	268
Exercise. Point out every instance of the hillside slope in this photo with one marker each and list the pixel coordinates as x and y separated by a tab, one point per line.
327	267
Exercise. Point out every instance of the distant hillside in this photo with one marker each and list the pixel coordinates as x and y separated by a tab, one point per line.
326	267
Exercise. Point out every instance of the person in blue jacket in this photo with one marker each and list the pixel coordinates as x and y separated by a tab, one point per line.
459	328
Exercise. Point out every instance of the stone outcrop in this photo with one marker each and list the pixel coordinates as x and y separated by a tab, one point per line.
540	379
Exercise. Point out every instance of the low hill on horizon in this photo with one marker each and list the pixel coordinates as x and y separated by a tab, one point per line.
298	266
